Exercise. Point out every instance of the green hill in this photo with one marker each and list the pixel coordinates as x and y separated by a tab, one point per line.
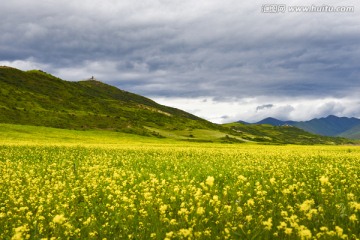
353	133
37	98
281	134
40	99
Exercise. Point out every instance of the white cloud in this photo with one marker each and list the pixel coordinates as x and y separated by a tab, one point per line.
297	109
27	64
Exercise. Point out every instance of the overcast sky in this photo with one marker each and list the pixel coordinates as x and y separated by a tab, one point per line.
223	60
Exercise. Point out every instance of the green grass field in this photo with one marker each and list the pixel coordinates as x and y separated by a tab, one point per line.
66	184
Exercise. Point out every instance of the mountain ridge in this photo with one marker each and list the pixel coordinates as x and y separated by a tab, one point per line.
325	126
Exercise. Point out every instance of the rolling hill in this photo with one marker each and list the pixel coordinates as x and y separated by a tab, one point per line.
39	99
281	134
353	133
328	126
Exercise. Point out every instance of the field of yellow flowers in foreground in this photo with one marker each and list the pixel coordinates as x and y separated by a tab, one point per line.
199	191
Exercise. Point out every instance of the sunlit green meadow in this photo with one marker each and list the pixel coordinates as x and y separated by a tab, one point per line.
62	184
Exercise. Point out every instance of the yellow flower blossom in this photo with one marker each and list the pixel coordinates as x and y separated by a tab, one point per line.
200	211
306	205
288	231
210	181
353	218
19	232
272	180
339	231
250	202
163	208
324	180
268	224
185	232
169	234
282	225
304	233
60	219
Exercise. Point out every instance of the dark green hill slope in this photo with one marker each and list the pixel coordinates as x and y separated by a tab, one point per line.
353	133
37	98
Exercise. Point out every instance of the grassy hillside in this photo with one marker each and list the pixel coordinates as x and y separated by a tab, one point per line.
40	99
281	134
38	134
353	133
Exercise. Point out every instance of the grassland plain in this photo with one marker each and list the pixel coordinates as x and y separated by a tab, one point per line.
65	184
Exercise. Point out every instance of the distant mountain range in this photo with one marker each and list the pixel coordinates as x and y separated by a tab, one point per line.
327	126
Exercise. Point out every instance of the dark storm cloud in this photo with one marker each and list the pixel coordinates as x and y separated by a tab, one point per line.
187	48
265	106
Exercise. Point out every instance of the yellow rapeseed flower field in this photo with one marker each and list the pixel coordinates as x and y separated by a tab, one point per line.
189	191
